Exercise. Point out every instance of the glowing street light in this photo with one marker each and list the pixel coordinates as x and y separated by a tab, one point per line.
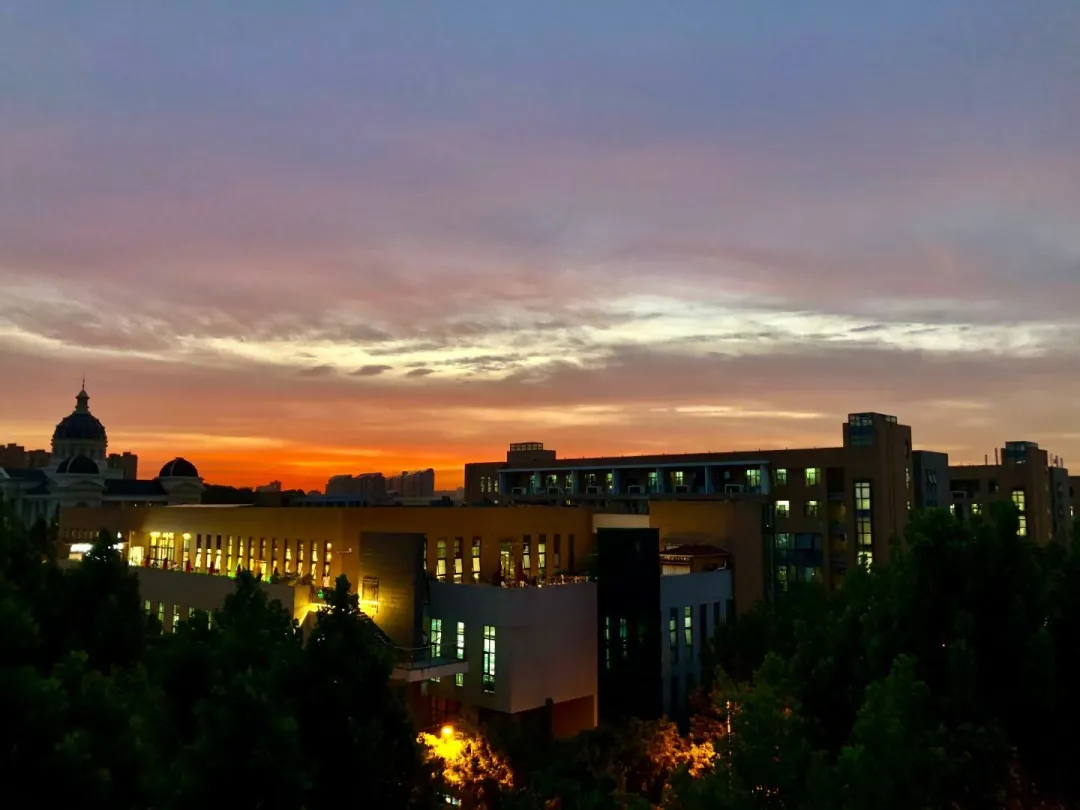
447	731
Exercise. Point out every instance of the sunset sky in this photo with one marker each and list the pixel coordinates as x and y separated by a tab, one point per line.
287	240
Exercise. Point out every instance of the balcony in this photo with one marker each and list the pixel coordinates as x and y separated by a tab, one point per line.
415	664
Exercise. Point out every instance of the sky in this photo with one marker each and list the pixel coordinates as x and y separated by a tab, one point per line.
290	240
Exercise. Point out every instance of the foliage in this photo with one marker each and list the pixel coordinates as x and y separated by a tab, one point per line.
230	709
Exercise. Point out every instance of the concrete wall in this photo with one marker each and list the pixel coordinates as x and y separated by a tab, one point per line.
204	592
707	595
395	561
545	643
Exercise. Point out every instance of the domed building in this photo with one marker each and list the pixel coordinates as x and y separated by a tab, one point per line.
80	474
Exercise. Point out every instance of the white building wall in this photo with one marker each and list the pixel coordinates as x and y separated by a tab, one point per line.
545	642
712	589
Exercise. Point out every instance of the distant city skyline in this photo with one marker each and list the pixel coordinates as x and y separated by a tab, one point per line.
290	244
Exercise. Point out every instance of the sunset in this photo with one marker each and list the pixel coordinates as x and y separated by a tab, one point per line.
293	243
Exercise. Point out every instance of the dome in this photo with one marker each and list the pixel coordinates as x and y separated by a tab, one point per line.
179	468
80	424
77	465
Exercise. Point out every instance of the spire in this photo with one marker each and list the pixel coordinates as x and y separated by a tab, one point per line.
82	399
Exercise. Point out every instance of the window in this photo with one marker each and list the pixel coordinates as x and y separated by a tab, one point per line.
907	477
191	613
460	642
526	557
146	607
1021	530
862	496
436	638
556	543
864	533
476	559
782	577
607	642
781	478
931	477
161	614
688	631
813	476
458	562
753	478
976	509
783	541
624	644
175	618
459	679
677	478
673	635
813	509
440	559
783	509
489	658
541	556
1019	498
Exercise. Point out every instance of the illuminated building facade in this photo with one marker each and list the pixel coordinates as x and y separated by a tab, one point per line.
824	509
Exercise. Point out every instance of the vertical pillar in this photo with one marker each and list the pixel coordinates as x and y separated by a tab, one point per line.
709	488
766	481
660	488
615	487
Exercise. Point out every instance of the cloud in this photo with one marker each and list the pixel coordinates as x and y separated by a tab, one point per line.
371	371
681	233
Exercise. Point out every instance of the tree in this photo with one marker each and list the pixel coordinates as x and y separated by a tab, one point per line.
354	725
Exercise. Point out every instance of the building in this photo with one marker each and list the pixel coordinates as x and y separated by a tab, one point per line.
366	487
1021	473
273	487
126	463
826	509
416	484
471	600
17	457
930	479
79	474
657	610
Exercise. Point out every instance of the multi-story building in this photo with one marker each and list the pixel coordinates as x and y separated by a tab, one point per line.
1023	475
126	463
415	484
369	487
930	480
454	591
825	509
79	473
657	610
17	457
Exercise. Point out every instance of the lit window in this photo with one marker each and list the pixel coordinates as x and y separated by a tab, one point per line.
175	618
1019	498
813	476
781	478
489	658
976	509
1022	529
440	561
459	563
813	509
541	556
753	478
688	630
476	559
783	509
677	478
782	578
866	558
459	679
461	641
436	638
783	540
862	496
146	607
526	559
